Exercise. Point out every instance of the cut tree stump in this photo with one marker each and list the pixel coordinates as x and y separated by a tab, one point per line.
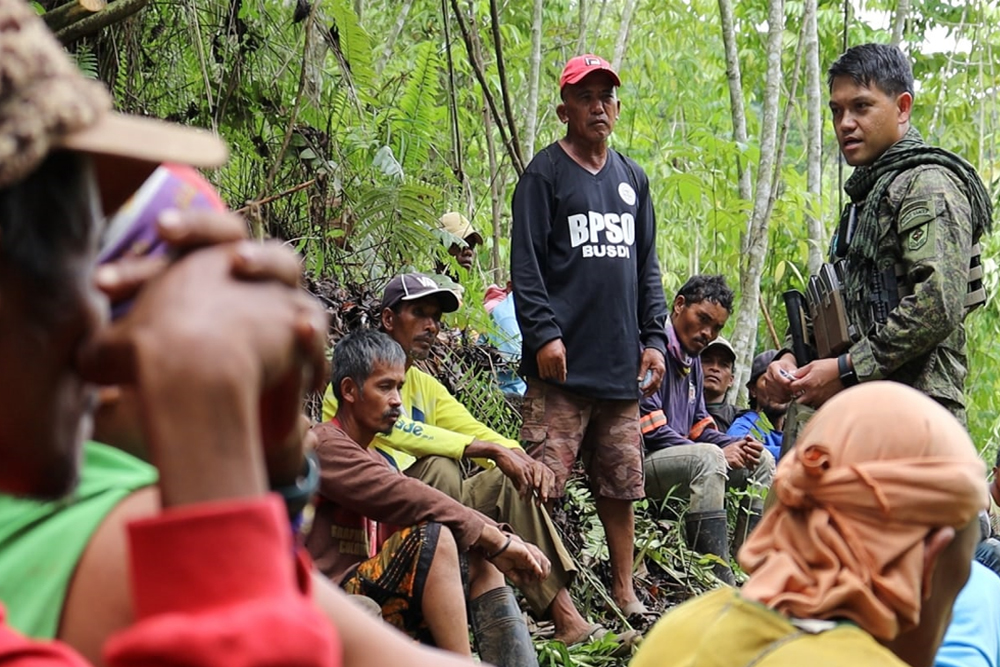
61	16
89	23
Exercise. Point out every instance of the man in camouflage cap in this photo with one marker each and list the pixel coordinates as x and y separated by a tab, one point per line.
915	215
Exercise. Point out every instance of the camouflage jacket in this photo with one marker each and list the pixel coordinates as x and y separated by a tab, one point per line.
925	226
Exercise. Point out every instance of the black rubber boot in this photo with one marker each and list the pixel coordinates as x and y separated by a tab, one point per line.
747	520
706	533
501	634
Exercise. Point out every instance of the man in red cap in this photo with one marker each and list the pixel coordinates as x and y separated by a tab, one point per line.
590	305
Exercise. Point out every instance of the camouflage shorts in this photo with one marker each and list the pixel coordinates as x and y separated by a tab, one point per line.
559	426
395	578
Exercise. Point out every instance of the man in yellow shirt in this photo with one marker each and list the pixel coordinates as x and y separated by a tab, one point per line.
435	431
862	556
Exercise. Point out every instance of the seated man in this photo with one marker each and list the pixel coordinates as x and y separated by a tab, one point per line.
213	576
79	542
765	418
860	559
462	240
685	454
379	533
717	363
499	304
434	431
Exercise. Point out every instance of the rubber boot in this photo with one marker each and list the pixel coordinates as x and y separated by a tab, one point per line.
747	520
706	533
501	634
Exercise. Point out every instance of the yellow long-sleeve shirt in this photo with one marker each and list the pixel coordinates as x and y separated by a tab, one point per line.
722	629
433	423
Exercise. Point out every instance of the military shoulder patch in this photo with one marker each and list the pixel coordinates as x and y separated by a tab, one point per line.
915	213
917	238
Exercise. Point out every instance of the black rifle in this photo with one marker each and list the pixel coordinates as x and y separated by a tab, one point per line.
794	306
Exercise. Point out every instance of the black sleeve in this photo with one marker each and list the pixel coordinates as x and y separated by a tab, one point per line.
652	305
532	219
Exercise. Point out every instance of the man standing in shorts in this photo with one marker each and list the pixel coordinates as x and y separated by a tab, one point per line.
590	305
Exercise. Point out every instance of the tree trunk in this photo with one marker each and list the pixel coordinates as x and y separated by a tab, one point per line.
113	13
597	25
581	27
63	15
531	114
735	95
456	135
899	21
786	120
744	337
491	149
814	142
471	39
628	11
504	87
404	11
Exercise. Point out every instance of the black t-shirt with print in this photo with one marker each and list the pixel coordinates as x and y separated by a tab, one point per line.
584	269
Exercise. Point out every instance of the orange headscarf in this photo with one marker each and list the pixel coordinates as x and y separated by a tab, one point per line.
875	470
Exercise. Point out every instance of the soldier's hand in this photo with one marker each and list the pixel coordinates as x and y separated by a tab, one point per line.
779	377
817	382
551	360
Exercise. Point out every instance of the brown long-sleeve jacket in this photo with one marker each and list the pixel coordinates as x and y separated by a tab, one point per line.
358	483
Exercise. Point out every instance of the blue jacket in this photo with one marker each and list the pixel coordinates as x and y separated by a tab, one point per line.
757	425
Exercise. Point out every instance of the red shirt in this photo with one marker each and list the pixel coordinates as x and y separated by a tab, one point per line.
214	585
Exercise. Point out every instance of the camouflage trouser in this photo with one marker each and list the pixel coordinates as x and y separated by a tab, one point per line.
559	426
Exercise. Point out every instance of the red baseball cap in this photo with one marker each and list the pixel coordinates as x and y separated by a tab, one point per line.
581	66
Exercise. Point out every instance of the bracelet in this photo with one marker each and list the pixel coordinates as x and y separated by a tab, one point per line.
501	549
298	494
848	377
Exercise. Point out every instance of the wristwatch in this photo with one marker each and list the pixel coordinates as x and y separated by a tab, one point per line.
848	377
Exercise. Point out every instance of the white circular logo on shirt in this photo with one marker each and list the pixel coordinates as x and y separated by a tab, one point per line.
627	194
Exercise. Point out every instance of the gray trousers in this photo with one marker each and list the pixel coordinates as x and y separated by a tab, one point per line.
700	472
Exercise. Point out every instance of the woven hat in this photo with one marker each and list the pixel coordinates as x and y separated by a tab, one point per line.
47	104
458	225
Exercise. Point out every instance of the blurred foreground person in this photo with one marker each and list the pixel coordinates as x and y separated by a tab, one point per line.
860	560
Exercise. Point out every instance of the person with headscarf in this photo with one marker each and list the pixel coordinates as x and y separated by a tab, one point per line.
860	559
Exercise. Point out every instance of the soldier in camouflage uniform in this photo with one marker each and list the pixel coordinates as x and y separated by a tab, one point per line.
916	211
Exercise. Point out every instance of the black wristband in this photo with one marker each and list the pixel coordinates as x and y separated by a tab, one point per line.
848	377
298	495
501	549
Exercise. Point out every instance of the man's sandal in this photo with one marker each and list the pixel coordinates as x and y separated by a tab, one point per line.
596	632
639	616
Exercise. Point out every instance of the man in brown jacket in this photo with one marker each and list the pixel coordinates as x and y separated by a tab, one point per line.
379	533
